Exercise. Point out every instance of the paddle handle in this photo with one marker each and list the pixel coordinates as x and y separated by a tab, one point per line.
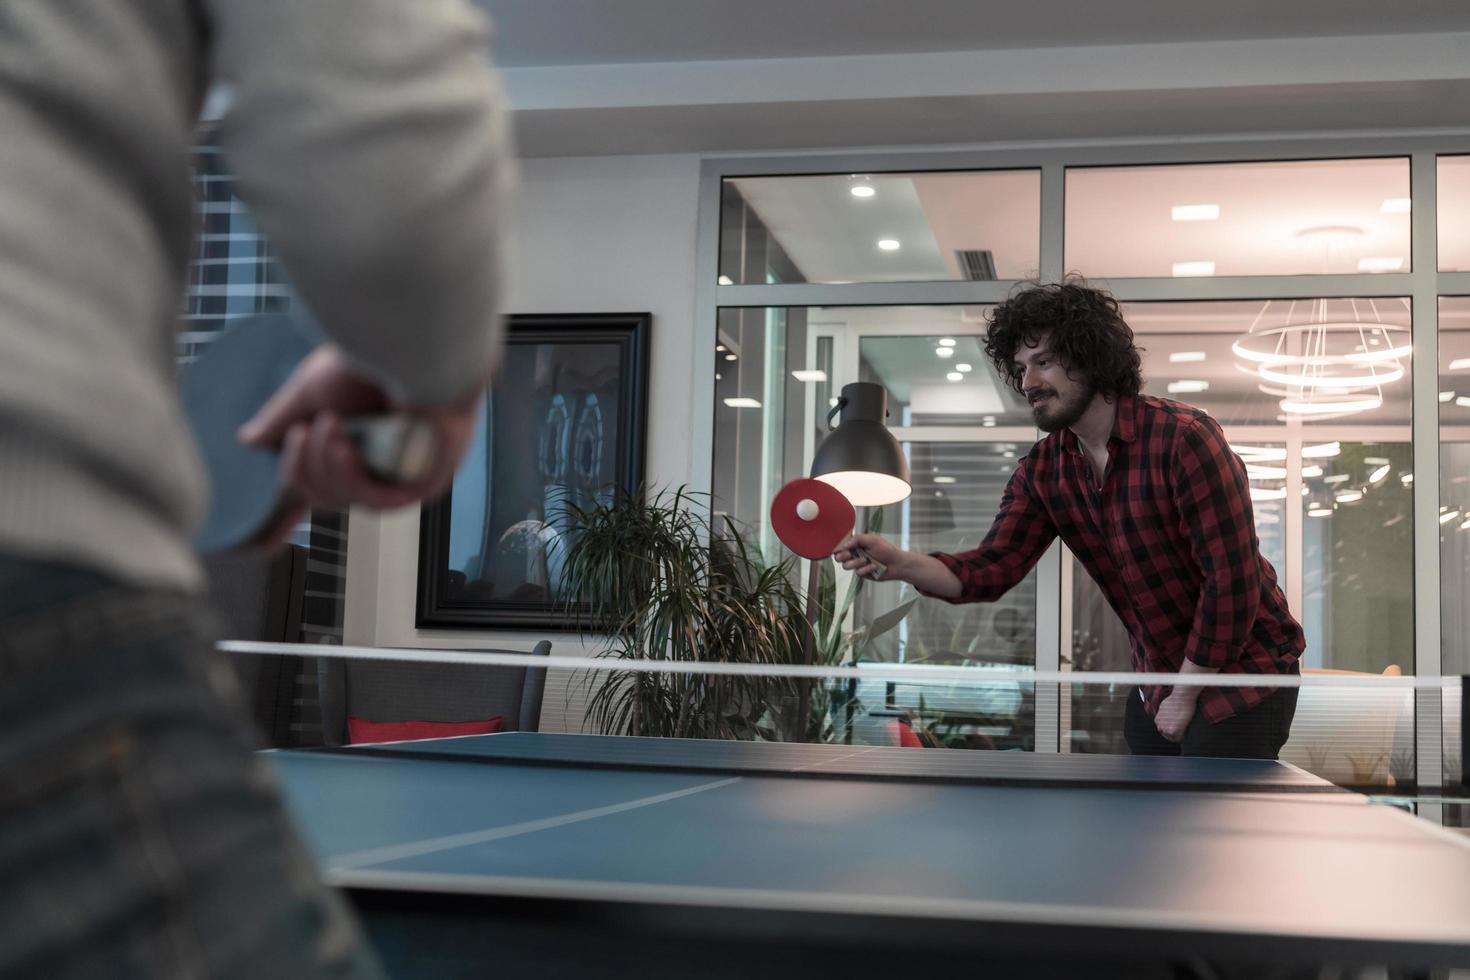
863	554
394	448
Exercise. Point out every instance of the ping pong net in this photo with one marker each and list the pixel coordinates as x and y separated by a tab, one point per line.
1396	738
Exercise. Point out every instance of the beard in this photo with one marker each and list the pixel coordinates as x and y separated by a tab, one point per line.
1060	413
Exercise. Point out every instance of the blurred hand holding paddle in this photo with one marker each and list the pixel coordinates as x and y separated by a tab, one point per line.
286	425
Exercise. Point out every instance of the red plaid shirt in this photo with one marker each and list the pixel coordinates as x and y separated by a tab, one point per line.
1170	539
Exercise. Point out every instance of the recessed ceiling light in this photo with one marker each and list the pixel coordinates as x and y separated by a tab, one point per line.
888	244
1374	460
1396	205
725	281
1195	212
719	346
954	376
1323	450
1336	478
944	352
964	367
718	376
944	479
1186	357
1319	511
1378	474
1406	478
1311	471
809	376
862	190
1445	396
1184	269
1462	401
946	341
1448	516
1009	454
1460	364
732	357
742	403
1187	385
1383	263
988	421
1348	496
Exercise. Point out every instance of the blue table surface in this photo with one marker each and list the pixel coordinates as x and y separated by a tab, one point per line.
1230	845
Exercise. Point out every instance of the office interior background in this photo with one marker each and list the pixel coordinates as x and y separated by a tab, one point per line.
803	196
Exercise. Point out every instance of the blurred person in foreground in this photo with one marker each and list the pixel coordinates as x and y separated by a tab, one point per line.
139	834
1149	496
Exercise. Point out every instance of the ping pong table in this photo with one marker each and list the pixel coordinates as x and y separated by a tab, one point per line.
579	855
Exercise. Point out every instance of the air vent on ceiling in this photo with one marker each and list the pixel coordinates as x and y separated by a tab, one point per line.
976	263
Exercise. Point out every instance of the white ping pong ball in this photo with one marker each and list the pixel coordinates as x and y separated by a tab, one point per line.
807	509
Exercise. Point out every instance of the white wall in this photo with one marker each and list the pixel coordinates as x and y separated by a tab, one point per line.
594	234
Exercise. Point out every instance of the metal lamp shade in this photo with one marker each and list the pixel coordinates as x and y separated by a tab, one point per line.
860	457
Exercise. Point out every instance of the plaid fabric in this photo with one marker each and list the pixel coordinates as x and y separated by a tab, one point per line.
1170	539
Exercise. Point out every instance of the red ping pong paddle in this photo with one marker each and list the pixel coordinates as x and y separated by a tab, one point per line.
812	518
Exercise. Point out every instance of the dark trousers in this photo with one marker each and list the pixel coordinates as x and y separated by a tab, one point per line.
140	836
1255	734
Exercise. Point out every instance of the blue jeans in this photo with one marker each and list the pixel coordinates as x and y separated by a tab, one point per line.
140	836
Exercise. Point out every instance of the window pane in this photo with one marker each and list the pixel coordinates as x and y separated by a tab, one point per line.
1239	219
1358	557
934	377
1346	474
1452	190
882	227
771	405
1303	362
1454	482
1454	504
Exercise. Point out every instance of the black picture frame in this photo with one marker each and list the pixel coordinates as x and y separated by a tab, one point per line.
607	342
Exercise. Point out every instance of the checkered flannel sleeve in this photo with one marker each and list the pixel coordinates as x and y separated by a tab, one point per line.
1015	542
1213	496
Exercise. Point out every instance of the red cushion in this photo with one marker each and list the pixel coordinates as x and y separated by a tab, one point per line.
362	730
906	737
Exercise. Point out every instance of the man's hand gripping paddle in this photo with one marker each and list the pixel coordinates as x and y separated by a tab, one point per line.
223	390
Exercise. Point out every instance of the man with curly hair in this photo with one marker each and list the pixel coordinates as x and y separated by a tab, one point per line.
1148	495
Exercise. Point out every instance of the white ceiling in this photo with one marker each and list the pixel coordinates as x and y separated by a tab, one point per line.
675	76
539	33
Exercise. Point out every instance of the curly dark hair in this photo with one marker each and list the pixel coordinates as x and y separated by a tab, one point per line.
1085	328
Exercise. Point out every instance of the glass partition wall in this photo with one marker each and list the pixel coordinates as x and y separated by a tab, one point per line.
1289	290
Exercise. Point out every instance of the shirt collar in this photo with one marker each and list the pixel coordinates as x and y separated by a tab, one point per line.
1125	424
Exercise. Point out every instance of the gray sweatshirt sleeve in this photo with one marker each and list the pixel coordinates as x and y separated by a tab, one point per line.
370	141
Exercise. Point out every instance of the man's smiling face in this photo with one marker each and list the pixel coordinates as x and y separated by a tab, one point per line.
1057	398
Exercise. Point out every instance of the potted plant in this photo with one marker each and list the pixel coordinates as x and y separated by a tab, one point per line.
659	579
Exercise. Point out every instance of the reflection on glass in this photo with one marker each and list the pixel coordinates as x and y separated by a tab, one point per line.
1355	582
1306	362
1452	190
1454	499
777	371
881	227
1358	556
1454	482
1239	219
940	381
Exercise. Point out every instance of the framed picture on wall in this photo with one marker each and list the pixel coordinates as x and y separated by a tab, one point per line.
564	426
